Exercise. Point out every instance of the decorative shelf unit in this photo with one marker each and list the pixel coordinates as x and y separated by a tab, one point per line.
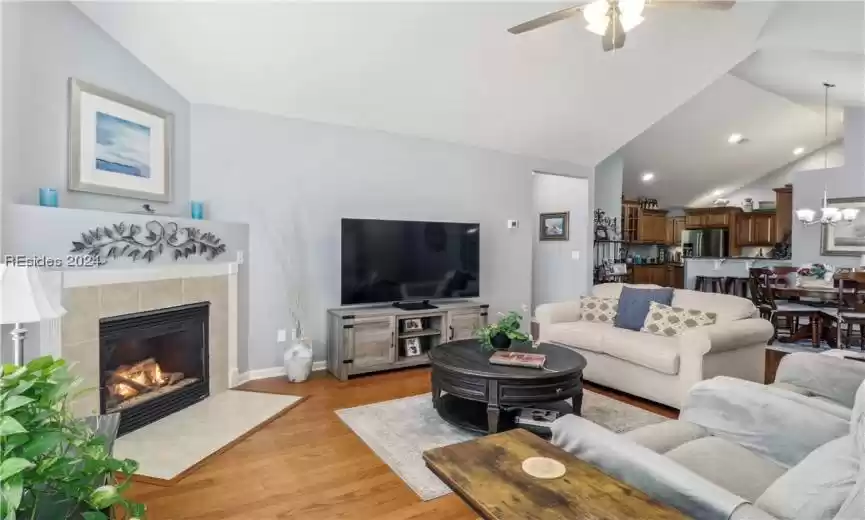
362	340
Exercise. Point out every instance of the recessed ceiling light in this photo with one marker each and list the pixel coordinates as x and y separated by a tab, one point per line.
648	176
798	151
718	193
735	138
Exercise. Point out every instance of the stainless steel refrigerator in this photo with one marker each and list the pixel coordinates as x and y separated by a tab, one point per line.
709	242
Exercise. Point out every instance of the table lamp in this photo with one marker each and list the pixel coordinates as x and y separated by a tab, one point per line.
23	300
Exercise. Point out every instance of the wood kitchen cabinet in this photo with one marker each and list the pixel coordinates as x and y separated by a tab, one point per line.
717	219
652	228
783	212
694	221
756	229
641	225
675	226
676	276
650	274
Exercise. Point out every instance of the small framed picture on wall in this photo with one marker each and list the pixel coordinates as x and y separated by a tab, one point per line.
554	226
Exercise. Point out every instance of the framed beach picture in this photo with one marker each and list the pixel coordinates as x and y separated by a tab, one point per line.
554	226
845	239
117	145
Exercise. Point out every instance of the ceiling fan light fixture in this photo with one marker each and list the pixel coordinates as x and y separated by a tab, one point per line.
597	17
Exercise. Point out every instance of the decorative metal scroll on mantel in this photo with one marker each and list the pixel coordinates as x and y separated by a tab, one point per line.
148	242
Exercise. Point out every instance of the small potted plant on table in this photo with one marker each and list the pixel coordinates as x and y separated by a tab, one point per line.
499	335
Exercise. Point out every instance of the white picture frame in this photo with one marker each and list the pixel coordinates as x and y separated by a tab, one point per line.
117	145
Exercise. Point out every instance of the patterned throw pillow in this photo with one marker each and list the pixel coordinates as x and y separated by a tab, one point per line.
664	320
599	310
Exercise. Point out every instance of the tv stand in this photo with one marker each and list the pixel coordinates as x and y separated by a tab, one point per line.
362	340
415	306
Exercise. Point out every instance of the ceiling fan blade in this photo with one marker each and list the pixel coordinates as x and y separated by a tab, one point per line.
614	36
547	19
718	5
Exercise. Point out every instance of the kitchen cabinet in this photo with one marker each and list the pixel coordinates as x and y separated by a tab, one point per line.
676	276
694	221
675	226
655	274
764	228
652	228
643	225
756	229
783	212
717	219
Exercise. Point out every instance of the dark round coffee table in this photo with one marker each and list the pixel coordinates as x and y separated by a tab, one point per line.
477	392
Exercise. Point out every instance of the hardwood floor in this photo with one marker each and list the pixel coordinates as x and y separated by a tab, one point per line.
307	464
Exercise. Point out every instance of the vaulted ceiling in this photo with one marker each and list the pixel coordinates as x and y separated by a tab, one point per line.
774	98
441	70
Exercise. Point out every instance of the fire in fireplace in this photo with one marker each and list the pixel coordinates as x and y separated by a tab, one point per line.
143	381
153	363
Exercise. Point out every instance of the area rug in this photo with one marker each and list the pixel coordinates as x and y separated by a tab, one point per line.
399	431
169	448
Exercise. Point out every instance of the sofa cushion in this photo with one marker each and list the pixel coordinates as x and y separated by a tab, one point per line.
664	436
665	320
614	290
817	486
656	352
727	307
634	305
729	465
580	334
600	310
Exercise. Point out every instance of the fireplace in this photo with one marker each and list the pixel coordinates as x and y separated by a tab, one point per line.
153	363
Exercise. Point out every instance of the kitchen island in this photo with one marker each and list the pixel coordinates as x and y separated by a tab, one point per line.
725	267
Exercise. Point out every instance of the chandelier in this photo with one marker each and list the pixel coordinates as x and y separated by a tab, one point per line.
598	13
828	215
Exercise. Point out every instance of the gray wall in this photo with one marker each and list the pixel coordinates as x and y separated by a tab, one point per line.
608	185
293	181
44	44
556	275
844	181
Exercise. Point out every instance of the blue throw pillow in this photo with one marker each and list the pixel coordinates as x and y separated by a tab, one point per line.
634	305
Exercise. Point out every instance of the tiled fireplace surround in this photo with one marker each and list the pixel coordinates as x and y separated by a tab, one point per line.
103	294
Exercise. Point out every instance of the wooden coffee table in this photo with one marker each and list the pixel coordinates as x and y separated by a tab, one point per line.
487	474
477	392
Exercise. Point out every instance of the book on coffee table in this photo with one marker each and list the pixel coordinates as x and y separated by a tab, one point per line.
518	359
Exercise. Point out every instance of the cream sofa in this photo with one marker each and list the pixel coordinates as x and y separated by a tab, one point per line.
659	368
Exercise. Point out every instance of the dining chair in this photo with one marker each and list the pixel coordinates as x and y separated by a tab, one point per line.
849	310
760	285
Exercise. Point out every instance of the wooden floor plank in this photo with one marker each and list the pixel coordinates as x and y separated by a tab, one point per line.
308	464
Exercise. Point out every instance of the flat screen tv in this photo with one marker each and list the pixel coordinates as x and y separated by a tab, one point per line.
398	261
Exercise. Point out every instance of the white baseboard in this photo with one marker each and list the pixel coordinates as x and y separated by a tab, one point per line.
264	373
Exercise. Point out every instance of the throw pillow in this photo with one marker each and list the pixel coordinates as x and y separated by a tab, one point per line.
599	310
634	305
664	320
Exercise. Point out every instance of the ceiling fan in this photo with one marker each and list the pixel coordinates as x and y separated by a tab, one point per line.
611	19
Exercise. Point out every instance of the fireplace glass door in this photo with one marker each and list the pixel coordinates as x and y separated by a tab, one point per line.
153	363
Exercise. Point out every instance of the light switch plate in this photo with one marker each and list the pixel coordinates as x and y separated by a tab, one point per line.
575	255
240	257
281	336
513	224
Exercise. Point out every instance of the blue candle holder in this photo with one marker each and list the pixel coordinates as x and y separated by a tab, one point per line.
196	209
48	197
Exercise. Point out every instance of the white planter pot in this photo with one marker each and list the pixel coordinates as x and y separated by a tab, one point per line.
298	361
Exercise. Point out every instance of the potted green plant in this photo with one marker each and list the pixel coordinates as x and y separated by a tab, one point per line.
499	335
54	466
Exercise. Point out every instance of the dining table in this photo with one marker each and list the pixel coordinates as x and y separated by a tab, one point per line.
820	296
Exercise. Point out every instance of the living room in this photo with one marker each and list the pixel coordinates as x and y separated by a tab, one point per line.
290	148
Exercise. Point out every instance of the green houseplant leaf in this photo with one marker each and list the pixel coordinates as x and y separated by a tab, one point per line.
52	465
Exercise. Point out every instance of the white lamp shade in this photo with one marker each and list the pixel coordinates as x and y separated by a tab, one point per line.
22	297
805	215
